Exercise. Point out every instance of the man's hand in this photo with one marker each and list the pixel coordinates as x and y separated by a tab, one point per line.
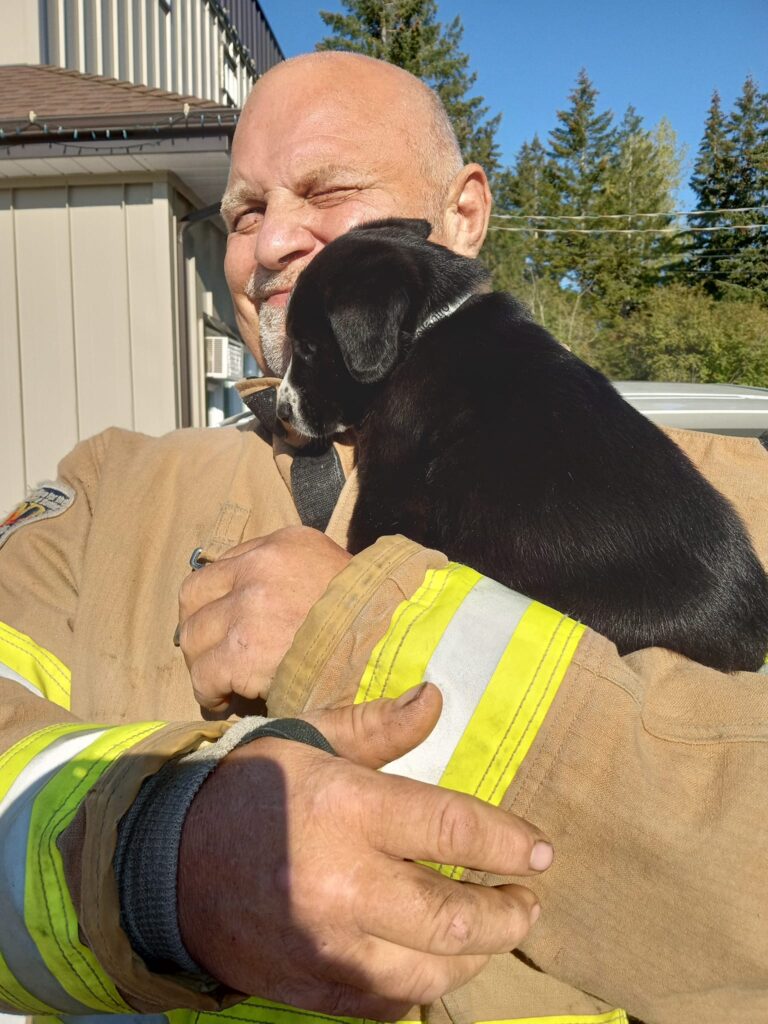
296	873
238	616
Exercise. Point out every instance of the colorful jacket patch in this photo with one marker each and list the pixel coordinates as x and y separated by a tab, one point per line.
46	502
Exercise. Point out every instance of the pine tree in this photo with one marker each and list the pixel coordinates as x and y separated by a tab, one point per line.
406	33
580	150
712	181
746	273
643	175
517	249
731	174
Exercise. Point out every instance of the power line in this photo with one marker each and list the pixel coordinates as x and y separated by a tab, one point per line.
626	231
618	216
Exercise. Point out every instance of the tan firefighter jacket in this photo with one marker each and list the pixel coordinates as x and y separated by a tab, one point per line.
649	773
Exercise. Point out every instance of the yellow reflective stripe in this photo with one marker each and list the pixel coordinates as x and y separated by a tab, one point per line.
35	664
262	1011
421	622
514	705
48	909
14	994
513	708
609	1017
12	762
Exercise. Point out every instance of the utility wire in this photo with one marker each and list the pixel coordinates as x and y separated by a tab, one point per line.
625	231
618	216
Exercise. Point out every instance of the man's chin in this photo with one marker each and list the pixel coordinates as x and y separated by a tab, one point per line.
274	344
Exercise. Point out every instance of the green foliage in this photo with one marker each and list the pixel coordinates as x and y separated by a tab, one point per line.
731	174
584	230
406	33
683	334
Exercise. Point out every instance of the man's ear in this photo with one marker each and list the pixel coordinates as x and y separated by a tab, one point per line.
368	335
466	213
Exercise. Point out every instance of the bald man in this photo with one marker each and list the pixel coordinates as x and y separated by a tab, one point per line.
157	860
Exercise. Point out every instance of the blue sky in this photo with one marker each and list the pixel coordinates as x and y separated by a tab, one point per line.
663	57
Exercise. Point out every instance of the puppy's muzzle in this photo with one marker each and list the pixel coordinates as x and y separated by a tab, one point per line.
284	409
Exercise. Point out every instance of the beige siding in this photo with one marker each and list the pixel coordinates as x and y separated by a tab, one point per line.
12	476
142	41
87	320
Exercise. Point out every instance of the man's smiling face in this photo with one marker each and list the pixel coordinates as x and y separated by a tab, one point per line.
322	145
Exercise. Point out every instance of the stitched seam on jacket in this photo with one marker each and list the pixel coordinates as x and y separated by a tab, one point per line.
545	691
326	638
39	655
711	735
116	773
47	838
385	647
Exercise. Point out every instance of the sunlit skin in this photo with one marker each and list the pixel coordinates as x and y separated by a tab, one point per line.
326	142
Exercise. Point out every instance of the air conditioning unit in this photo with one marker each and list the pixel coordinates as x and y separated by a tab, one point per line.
223	357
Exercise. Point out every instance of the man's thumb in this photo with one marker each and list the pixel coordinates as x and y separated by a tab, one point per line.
379	731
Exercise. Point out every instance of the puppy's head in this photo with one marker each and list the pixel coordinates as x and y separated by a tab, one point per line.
351	316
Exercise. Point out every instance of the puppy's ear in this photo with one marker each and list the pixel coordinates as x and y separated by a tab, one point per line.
398	225
368	336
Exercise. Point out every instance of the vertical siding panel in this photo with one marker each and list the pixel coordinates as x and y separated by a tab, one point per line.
167	51
156	78
196	44
177	49
205	56
140	12
49	388
151	307
100	303
215	57
80	57
12	477
126	42
93	36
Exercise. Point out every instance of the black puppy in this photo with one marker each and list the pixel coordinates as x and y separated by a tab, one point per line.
483	437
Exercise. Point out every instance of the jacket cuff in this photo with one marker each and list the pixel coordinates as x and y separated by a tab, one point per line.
46	965
89	849
332	647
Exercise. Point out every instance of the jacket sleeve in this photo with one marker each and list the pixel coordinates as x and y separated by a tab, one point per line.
64	782
647	772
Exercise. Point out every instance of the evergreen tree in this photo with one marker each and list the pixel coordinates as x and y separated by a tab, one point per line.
731	174
580	148
643	175
746	273
517	249
406	33
712	181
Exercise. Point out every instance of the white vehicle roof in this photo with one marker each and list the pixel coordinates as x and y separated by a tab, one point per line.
716	408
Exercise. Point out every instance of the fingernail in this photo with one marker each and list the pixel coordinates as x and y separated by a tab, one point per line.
542	856
410	696
535	913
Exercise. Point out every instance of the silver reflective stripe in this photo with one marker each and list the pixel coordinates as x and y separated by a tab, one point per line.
462	666
16	944
8	673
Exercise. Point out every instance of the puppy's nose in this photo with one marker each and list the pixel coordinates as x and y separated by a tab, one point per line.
284	410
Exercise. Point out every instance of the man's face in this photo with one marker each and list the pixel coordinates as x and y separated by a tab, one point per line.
312	157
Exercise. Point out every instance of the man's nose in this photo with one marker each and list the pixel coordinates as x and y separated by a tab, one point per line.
283	237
